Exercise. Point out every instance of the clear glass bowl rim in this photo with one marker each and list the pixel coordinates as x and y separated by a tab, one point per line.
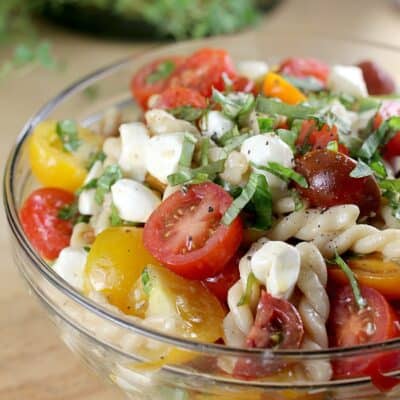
55	280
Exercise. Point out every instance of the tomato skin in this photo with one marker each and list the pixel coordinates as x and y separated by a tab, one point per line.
305	67
318	138
54	167
141	89
203	70
392	148
274	316
372	271
243	84
47	233
378	81
178	231
275	85
174	97
349	327
220	284
330	183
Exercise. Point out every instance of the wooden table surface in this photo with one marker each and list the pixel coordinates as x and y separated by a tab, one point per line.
34	364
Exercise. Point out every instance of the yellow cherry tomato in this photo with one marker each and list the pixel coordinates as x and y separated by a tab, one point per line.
52	165
114	264
276	86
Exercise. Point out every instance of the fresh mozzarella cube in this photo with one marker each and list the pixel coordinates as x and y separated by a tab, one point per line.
253	69
163	154
215	124
347	79
134	201
134	140
160	122
277	264
339	110
261	149
70	265
87	204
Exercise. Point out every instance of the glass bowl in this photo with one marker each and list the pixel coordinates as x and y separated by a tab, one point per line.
149	364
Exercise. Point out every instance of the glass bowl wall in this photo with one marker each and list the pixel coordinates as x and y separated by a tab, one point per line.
118	347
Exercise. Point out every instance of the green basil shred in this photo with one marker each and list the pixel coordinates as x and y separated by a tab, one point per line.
188	113
188	146
163	71
67	131
274	107
361	170
284	173
246	297
111	174
360	300
146	281
235	104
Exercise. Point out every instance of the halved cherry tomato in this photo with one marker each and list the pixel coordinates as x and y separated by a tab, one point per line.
48	233
378	81
277	325
174	97
372	271
304	67
392	147
204	70
185	232
221	283
276	86
330	183
51	165
243	84
114	263
351	326
318	138
152	78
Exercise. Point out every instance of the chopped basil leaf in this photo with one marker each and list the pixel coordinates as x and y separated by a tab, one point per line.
266	124
110	175
377	165
188	146
115	219
333	145
274	107
228	136
246	297
235	142
68	212
163	71
188	113
308	84
390	184
204	147
391	190
99	156
288	136
257	186
92	184
86	248
82	218
197	175
67	131
284	173
366	104
361	170
361	302
298	201
379	137
146	281
234	104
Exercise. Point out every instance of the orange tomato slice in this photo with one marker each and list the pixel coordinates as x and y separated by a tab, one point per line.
276	86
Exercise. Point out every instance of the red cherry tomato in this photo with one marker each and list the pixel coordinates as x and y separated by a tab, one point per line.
39	218
318	138
152	78
330	183
221	283
243	84
378	81
351	326
174	97
392	147
304	67
185	232
277	324
204	70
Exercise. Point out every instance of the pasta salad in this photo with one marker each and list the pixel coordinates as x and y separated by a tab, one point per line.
250	205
